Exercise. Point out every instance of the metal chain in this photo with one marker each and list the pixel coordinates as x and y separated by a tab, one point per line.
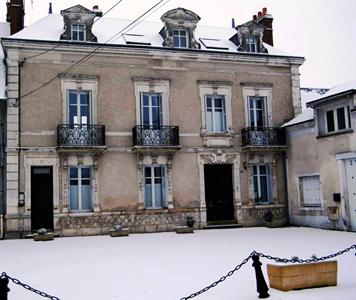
308	260
27	287
223	278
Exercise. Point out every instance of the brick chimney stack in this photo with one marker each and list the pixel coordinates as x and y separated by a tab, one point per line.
15	15
264	18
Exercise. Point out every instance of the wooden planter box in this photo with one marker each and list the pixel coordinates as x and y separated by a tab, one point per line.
43	237
121	232
301	276
184	229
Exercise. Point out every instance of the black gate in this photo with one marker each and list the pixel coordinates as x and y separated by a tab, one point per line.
41	198
219	193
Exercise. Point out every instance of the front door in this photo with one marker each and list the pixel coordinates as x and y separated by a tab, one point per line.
41	198
219	193
351	186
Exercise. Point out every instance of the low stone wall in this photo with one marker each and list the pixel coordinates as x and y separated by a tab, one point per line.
138	221
258	215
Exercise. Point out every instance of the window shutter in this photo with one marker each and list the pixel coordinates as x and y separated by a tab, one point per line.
164	187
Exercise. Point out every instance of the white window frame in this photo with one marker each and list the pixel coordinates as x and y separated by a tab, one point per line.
213	111
251	42
80	84
164	186
301	196
218	89
254	109
75	28
269	180
335	119
78	92
180	37
150	107
79	179
152	86
250	90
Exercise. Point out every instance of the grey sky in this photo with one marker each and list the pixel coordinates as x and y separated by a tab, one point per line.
323	31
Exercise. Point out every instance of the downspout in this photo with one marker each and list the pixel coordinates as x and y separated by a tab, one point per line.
21	210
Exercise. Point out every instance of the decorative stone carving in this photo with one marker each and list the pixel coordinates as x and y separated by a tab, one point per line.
78	15
180	18
250	28
218	157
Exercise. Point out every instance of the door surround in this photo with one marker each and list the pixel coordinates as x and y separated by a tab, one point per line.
219	157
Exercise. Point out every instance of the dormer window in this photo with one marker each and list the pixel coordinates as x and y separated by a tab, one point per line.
78	32
250	44
180	38
179	27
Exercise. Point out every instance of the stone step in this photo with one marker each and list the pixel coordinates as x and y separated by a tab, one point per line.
222	226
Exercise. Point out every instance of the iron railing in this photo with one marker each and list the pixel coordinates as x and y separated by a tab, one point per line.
263	136
155	135
70	135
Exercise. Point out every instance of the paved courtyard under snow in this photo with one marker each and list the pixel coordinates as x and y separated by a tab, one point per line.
170	266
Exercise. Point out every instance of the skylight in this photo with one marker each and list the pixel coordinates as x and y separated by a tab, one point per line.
213	43
136	39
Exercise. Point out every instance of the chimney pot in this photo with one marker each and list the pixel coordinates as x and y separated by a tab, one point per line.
95	7
233	23
259	14
264	10
50	8
254	17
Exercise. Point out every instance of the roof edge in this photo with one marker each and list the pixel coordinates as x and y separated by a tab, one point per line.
330	98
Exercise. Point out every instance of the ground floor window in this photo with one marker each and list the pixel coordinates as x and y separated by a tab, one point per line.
309	191
262	184
80	197
155	186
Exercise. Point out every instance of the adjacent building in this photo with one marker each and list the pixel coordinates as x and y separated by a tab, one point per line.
322	160
146	126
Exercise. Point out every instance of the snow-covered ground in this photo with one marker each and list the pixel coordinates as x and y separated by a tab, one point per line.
170	266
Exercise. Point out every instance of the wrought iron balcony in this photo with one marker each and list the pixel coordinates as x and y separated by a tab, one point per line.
70	135
263	137
155	136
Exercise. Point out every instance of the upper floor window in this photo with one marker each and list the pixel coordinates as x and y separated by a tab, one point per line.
79	107
215	113
151	109
257	108
337	119
80	198
251	44
180	38
78	32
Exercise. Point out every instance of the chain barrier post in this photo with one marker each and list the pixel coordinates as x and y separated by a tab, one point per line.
262	287
4	281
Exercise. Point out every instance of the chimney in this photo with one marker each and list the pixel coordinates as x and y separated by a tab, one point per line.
15	15
50	8
98	12
266	20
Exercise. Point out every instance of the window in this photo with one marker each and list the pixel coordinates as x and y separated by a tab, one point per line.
215	113
180	38
151	109
257	111
262	184
155	186
338	119
79	108
80	188
78	32
251	44
309	191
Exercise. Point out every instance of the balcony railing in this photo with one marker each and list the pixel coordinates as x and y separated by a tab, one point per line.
263	136
155	135
80	135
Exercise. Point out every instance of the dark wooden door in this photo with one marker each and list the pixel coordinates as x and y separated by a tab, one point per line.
219	193
41	198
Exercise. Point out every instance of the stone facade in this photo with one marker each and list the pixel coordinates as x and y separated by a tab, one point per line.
117	78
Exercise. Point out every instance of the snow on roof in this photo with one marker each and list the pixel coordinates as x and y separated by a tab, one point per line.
306	115
4	32
50	28
337	89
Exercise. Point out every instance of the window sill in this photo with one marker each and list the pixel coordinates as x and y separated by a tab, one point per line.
324	135
205	133
311	207
81	213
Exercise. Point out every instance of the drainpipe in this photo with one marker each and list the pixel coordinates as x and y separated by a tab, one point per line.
286	185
